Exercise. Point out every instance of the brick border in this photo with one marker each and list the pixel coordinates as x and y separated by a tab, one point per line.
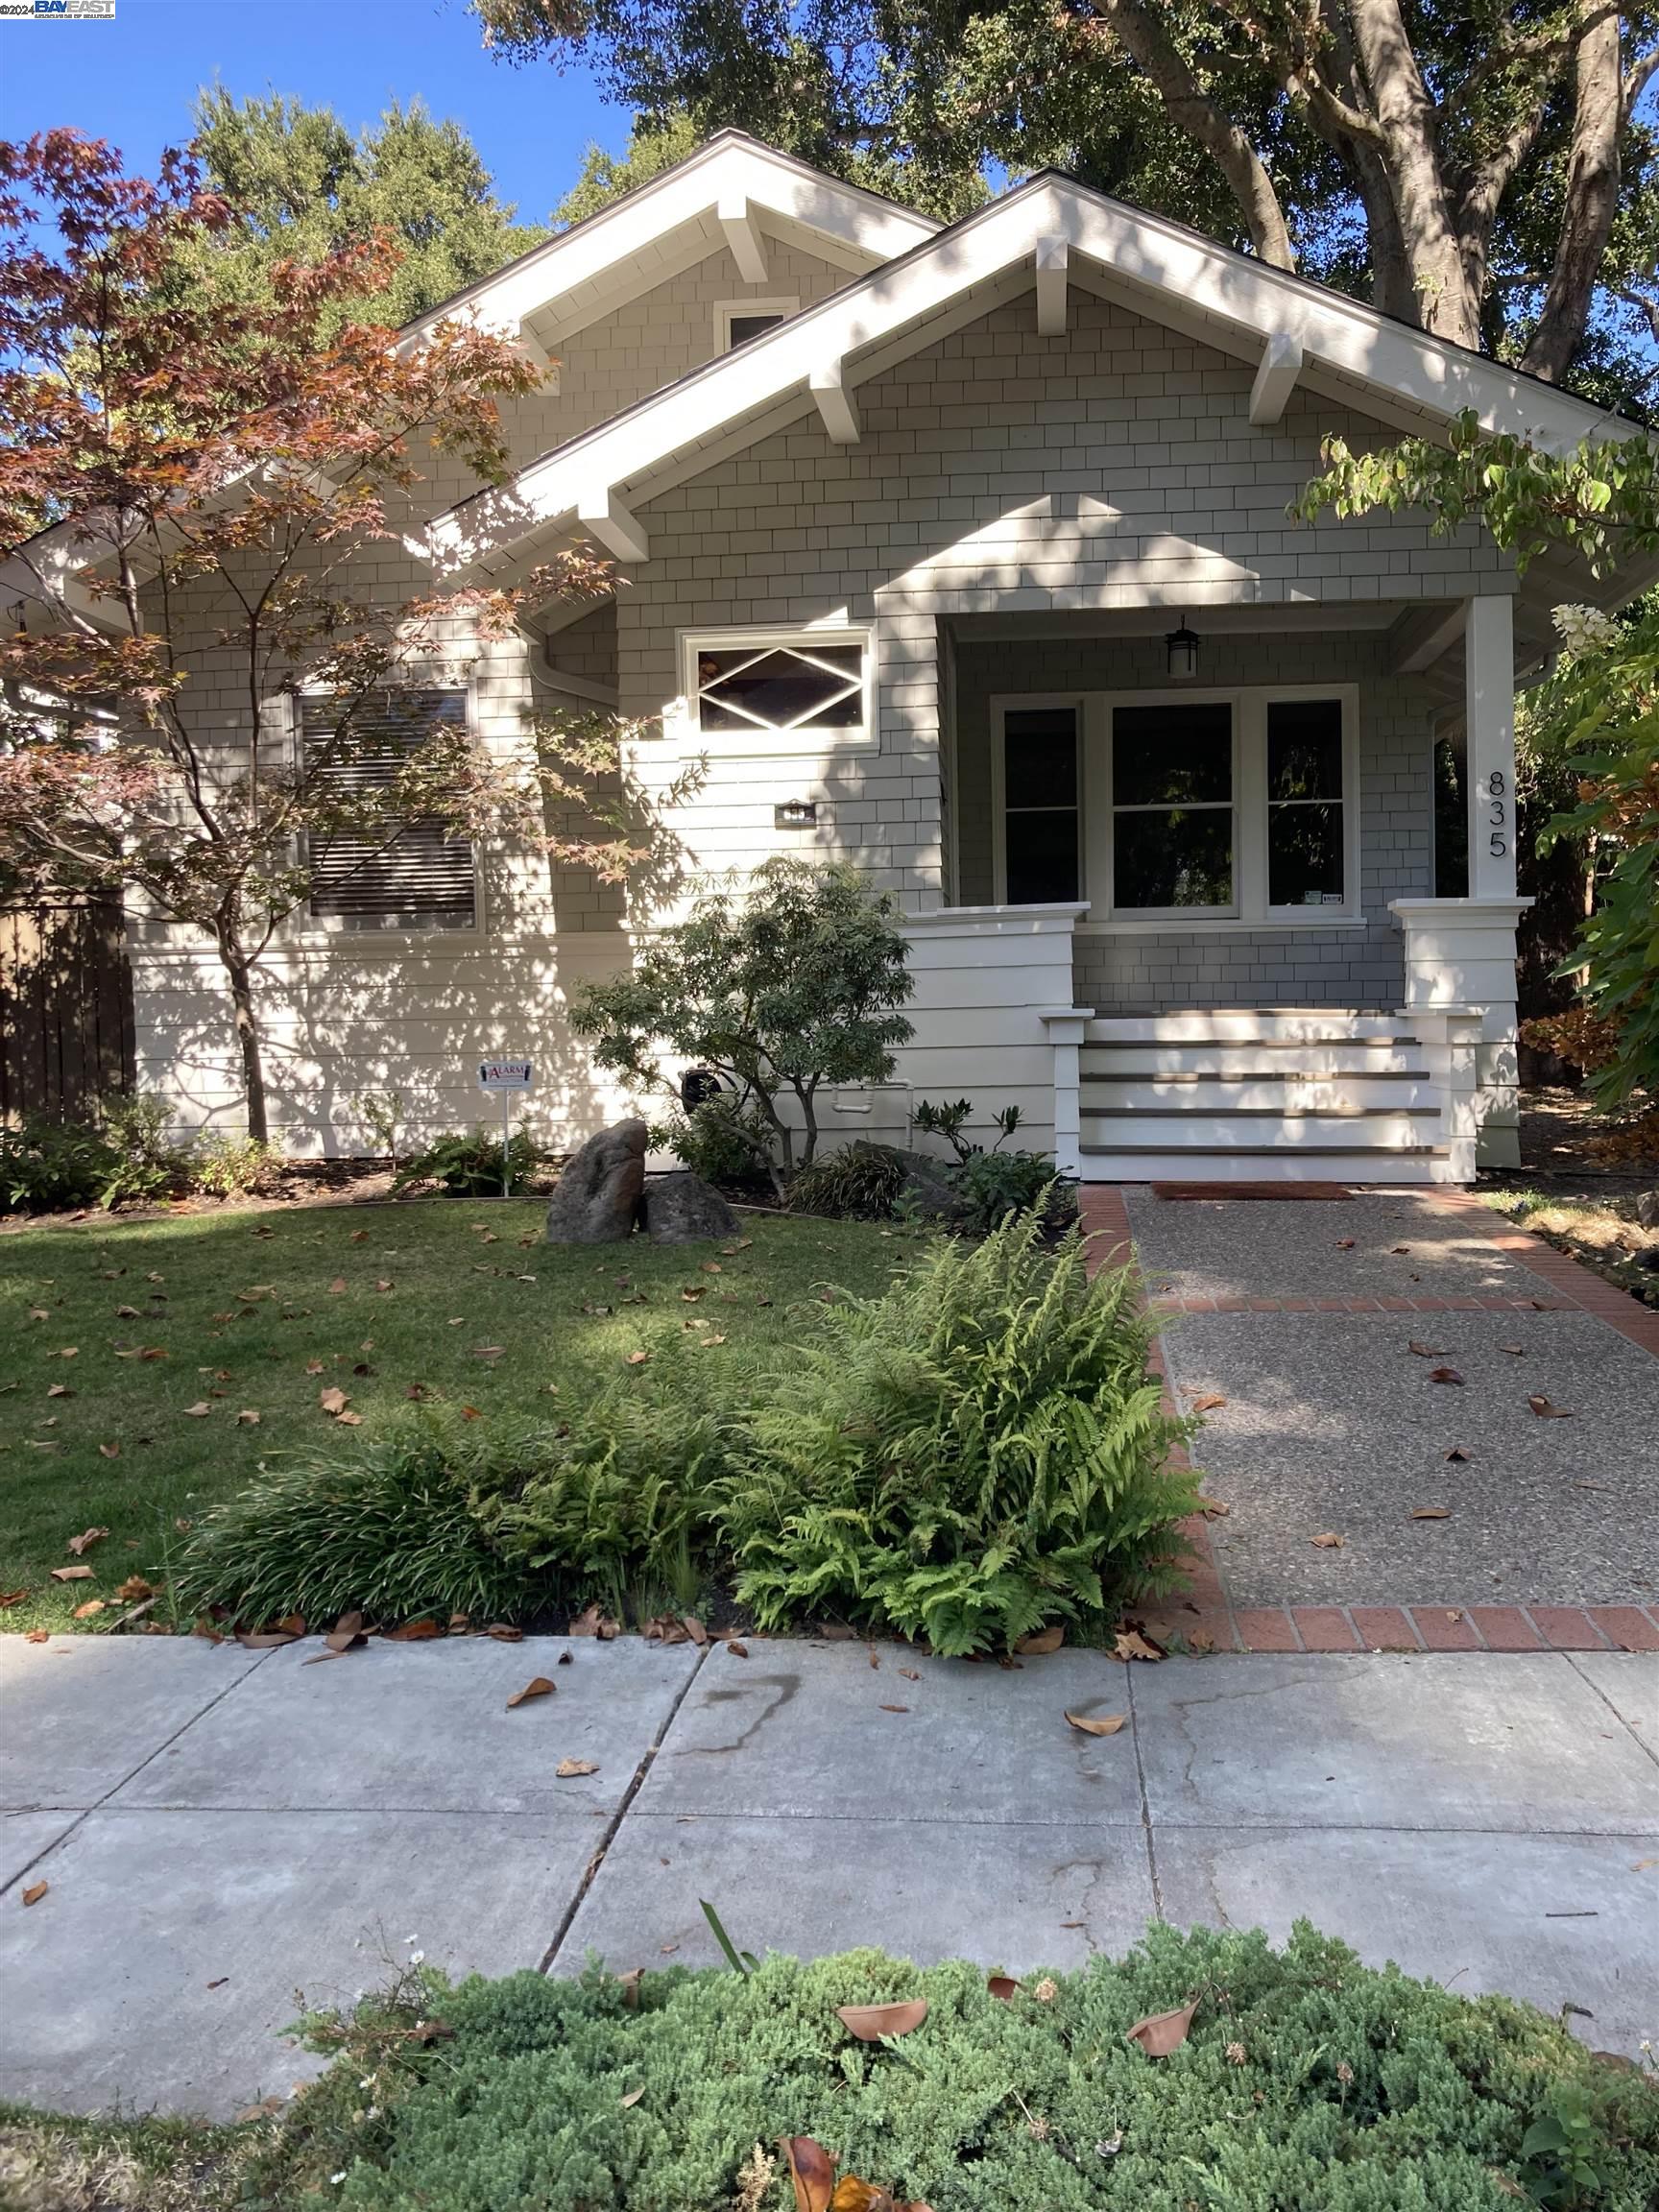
1207	1617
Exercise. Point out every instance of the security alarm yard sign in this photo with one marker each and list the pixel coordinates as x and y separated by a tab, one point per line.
504	1074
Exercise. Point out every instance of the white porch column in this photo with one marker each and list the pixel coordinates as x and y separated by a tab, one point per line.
1065	1026
1461	958
1489	680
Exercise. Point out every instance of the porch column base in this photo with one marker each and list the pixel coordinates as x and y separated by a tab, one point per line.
1065	1026
1460	958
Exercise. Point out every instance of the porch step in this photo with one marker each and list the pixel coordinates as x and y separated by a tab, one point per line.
1332	1092
1280	1091
1414	1163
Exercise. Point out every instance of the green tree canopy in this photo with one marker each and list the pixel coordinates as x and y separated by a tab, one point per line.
304	187
1489	169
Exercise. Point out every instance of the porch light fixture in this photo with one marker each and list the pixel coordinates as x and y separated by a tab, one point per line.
1182	647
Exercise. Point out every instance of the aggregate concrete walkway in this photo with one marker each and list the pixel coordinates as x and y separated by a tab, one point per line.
219	1829
1347	1349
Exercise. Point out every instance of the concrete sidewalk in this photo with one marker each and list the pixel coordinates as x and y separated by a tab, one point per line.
219	1829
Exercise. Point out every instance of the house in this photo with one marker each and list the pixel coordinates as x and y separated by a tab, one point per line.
962	551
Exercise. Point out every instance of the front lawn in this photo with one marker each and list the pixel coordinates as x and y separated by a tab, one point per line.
113	1332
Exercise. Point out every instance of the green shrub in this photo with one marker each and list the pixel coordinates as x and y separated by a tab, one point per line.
149	1164
724	1142
227	1164
975	1454
390	1531
467	1162
860	1180
46	1166
1309	2082
995	1185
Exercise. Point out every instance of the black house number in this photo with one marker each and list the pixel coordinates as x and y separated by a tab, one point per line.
1497	813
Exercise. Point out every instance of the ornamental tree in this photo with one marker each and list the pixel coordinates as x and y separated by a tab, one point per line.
190	489
792	984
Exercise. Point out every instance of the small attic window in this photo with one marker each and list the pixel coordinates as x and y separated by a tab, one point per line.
737	321
771	684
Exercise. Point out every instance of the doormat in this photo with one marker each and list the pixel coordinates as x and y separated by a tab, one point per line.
1251	1191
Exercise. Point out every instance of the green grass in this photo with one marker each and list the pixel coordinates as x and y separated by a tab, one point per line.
241	1303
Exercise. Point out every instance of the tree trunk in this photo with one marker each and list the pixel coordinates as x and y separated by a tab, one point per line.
1406	112
1592	169
239	969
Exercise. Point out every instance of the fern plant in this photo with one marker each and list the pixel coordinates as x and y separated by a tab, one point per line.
977	1454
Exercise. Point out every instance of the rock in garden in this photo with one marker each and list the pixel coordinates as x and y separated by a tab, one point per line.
681	1209
597	1197
1648	1209
928	1192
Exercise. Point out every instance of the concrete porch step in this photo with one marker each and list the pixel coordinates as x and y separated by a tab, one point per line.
1269	1058
1262	1129
1289	1090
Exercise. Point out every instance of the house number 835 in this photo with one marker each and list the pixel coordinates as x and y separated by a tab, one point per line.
1497	814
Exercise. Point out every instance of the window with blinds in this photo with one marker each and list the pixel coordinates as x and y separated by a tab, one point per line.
421	878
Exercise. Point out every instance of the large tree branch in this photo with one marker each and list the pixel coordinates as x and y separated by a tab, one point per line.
1486	183
1137	27
1593	172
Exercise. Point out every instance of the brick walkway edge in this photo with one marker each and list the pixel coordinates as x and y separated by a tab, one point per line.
1210	1621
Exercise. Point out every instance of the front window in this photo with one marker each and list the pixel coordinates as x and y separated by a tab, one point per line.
1172	822
411	875
1041	812
1305	827
778	686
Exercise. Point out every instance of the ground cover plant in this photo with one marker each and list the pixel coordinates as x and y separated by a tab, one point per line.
1300	2081
133	1354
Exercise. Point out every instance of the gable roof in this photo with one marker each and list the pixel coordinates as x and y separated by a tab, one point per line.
1050	232
732	191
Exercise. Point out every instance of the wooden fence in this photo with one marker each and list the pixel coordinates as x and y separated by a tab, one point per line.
66	1010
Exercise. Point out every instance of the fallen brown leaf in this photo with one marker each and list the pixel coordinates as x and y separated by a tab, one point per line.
265	1639
1130	1644
333	1400
1208	1403
38	1636
1344	1244
869	2023
1423	1351
1162	2033
1002	1986
737	1651
249	1417
812	2170
538	1686
568	1769
489	1350
13	1597
504	1632
694	1628
1041	1641
108	1451
1444	1375
1514	1351
58	1390
1399	1247
337	1286
591	1622
1098	1724
84	1542
1430	1512
638	1358
633	2097
1545	1412
349	1420
199	1410
134	1588
1458	1452
894	1708
1328	1540
419	1631
909	1673
35	1891
1213	1508
93	1606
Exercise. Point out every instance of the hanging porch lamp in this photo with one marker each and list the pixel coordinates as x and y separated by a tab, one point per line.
1181	648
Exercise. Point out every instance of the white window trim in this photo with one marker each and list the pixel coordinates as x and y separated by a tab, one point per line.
305	931
777	744
725	309
1250	910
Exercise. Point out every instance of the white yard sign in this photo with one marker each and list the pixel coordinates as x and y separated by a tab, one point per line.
505	1077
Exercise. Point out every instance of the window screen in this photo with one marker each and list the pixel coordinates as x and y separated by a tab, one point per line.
417	877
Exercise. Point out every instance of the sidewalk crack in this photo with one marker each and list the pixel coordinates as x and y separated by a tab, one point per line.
592	1869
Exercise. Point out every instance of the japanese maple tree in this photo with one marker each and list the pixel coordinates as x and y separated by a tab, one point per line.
196	496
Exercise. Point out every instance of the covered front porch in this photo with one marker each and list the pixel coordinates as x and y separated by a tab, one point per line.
1213	847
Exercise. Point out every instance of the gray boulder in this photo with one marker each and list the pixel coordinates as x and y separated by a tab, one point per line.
1648	1209
598	1194
681	1209
925	1191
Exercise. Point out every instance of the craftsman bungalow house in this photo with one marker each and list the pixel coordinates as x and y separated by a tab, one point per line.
962	551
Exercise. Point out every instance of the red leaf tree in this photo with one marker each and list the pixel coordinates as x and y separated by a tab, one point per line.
192	496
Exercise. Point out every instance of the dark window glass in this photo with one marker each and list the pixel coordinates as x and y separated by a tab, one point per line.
1171	755
1039	756
1305	749
1041	853
780	688
743	327
1173	857
1305	855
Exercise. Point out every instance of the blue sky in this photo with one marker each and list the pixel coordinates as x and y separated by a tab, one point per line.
133	80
